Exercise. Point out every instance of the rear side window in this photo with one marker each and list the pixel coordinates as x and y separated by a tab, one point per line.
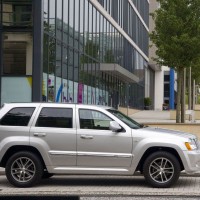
17	117
55	117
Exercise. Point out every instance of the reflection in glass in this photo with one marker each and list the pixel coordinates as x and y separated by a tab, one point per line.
52	16
58	58
17	13
17	53
16	89
46	2
78	41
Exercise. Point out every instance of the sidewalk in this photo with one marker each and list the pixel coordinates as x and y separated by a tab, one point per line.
102	186
152	116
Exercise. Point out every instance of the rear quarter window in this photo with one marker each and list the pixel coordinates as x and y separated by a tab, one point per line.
17	117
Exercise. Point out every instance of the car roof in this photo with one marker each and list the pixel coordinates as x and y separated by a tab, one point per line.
21	104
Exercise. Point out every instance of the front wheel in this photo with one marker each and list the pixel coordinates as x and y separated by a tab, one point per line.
161	169
24	169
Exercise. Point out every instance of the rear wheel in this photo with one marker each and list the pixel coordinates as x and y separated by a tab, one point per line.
24	169
161	169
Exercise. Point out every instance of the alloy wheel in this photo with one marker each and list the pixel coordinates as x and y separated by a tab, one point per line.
23	169
161	170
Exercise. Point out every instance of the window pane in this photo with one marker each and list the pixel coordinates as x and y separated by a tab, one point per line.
90	119
16	89
46	11
0	13
52	17
17	117
55	117
17	53
17	13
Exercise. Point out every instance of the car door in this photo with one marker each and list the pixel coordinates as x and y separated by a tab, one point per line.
97	146
54	132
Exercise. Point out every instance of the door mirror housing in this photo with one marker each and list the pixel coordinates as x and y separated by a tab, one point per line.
115	127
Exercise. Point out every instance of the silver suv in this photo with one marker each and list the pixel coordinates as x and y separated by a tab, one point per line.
38	140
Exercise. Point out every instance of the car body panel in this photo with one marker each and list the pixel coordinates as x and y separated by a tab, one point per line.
90	151
60	143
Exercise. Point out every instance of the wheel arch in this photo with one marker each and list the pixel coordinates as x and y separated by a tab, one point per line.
151	150
14	149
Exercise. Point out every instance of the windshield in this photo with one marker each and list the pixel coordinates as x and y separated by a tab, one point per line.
127	120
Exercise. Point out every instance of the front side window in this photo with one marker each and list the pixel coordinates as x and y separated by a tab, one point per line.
91	119
127	120
17	117
55	117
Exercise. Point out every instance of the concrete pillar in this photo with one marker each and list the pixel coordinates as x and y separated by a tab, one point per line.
171	96
159	89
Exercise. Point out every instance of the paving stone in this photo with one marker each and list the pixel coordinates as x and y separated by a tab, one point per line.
101	186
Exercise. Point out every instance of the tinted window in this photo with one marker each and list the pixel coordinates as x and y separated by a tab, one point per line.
127	120
91	119
17	117
55	117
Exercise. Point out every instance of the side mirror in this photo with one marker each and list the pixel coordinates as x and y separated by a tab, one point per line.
114	126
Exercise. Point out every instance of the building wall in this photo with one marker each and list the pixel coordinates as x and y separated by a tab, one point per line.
79	39
159	89
16	47
152	51
85	37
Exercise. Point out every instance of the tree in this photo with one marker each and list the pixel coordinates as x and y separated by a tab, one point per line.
177	37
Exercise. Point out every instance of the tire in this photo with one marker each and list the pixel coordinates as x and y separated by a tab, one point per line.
24	169
161	169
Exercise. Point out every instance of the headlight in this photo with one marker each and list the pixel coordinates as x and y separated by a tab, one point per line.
191	145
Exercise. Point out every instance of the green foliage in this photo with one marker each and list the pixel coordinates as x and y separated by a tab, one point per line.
177	32
91	49
109	57
147	101
196	70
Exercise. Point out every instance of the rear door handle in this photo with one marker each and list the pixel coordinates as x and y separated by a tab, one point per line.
39	134
87	137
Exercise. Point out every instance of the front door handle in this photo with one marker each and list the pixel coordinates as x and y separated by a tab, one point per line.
87	137
39	134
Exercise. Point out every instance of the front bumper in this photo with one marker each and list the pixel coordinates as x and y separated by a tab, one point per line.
192	161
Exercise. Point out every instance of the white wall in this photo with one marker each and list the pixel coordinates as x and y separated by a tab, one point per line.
147	82
159	89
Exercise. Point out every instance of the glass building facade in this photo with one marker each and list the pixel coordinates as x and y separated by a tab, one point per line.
81	51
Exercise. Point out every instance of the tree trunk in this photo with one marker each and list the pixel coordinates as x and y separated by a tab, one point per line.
189	91
183	74
193	95
178	99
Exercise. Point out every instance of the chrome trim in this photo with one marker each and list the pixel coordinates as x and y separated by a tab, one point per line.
114	155
82	153
90	169
62	153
